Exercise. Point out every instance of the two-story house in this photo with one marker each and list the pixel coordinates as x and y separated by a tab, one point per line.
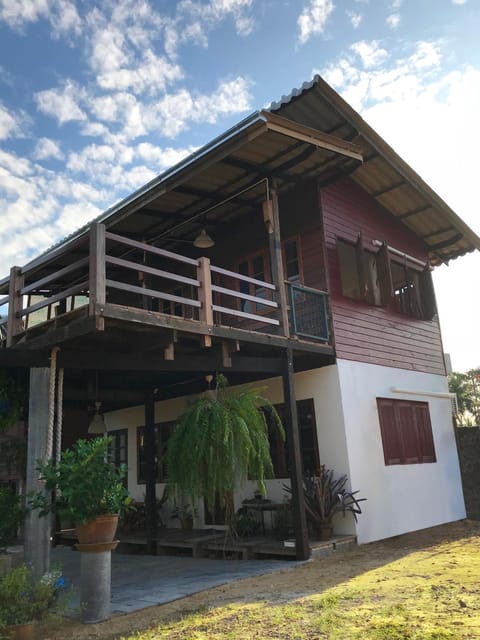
295	249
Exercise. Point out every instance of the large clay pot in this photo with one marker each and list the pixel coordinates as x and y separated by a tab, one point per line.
21	631
102	529
325	531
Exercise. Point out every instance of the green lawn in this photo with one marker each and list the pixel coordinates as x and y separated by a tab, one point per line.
429	594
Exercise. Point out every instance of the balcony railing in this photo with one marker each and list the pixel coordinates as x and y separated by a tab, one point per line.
115	271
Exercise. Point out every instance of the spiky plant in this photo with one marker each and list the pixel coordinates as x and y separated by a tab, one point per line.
221	442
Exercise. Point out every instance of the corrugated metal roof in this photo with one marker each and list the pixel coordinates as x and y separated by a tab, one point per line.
250	151
383	174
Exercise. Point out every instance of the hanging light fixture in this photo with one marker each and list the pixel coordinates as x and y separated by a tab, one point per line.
203	240
97	425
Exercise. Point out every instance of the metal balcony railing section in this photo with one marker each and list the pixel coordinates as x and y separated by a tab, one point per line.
308	312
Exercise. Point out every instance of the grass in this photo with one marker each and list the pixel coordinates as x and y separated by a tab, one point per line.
431	594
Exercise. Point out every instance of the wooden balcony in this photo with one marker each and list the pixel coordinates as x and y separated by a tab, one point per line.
107	280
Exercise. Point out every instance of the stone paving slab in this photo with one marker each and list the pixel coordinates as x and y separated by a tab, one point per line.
140	581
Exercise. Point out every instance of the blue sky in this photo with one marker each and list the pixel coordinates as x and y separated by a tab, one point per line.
96	98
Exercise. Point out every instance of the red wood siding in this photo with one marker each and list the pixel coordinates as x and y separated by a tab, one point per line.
363	332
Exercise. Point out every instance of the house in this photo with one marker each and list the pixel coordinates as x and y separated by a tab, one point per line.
296	250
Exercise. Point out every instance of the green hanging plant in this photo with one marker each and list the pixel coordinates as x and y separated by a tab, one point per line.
220	442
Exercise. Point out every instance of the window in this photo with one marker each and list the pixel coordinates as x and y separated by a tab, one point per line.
291	260
379	280
406	431
118	449
162	434
308	440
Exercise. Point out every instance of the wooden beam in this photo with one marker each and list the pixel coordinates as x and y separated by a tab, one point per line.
150	473
312	136
414	212
15	305
276	265
97	274
204	276
295	453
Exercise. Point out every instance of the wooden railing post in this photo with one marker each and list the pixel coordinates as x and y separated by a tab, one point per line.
97	274
15	305
272	220
204	276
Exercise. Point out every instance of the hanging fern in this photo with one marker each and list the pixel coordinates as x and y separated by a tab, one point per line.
221	442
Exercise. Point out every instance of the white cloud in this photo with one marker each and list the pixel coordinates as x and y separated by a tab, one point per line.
459	1
370	53
65	19
313	18
393	20
61	104
17	12
47	148
355	18
9	126
61	14
160	157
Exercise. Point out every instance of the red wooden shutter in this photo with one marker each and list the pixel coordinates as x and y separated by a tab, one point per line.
425	435
385	274
427	293
408	432
392	445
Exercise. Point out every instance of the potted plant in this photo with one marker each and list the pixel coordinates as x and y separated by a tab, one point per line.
220	443
185	513
326	496
12	514
25	599
88	490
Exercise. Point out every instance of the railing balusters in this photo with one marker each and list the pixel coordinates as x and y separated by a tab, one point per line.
204	276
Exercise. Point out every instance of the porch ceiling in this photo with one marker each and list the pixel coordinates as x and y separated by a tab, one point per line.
220	183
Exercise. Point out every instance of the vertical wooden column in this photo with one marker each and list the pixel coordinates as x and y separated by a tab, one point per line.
295	458
37	529
15	304
204	276
97	273
150	473
272	220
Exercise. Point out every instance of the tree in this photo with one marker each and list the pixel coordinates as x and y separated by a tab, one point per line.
466	386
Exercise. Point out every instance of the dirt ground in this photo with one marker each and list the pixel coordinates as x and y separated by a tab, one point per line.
302	580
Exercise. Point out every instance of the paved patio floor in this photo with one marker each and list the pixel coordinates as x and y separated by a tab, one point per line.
140	581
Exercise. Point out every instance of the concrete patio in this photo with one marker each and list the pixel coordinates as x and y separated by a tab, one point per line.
140	581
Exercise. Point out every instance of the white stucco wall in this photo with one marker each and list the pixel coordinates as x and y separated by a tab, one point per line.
321	384
401	498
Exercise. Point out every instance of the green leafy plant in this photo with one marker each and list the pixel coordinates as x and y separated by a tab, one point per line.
25	598
325	496
219	443
85	482
12	514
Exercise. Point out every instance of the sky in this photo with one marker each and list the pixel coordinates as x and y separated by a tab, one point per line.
98	98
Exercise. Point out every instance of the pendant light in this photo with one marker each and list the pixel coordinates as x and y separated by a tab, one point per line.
97	425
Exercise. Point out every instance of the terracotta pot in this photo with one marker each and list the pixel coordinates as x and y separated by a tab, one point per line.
325	531
21	631
102	529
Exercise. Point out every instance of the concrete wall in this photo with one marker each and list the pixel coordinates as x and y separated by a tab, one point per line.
401	498
468	439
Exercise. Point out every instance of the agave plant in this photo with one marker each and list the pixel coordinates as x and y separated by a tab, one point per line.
325	496
221	442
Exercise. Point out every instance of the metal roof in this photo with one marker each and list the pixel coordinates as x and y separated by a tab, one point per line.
383	174
312	132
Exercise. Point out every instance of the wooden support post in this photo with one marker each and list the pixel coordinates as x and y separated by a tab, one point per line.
272	221
293	437
229	347
15	305
204	276
150	473
169	351
97	287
